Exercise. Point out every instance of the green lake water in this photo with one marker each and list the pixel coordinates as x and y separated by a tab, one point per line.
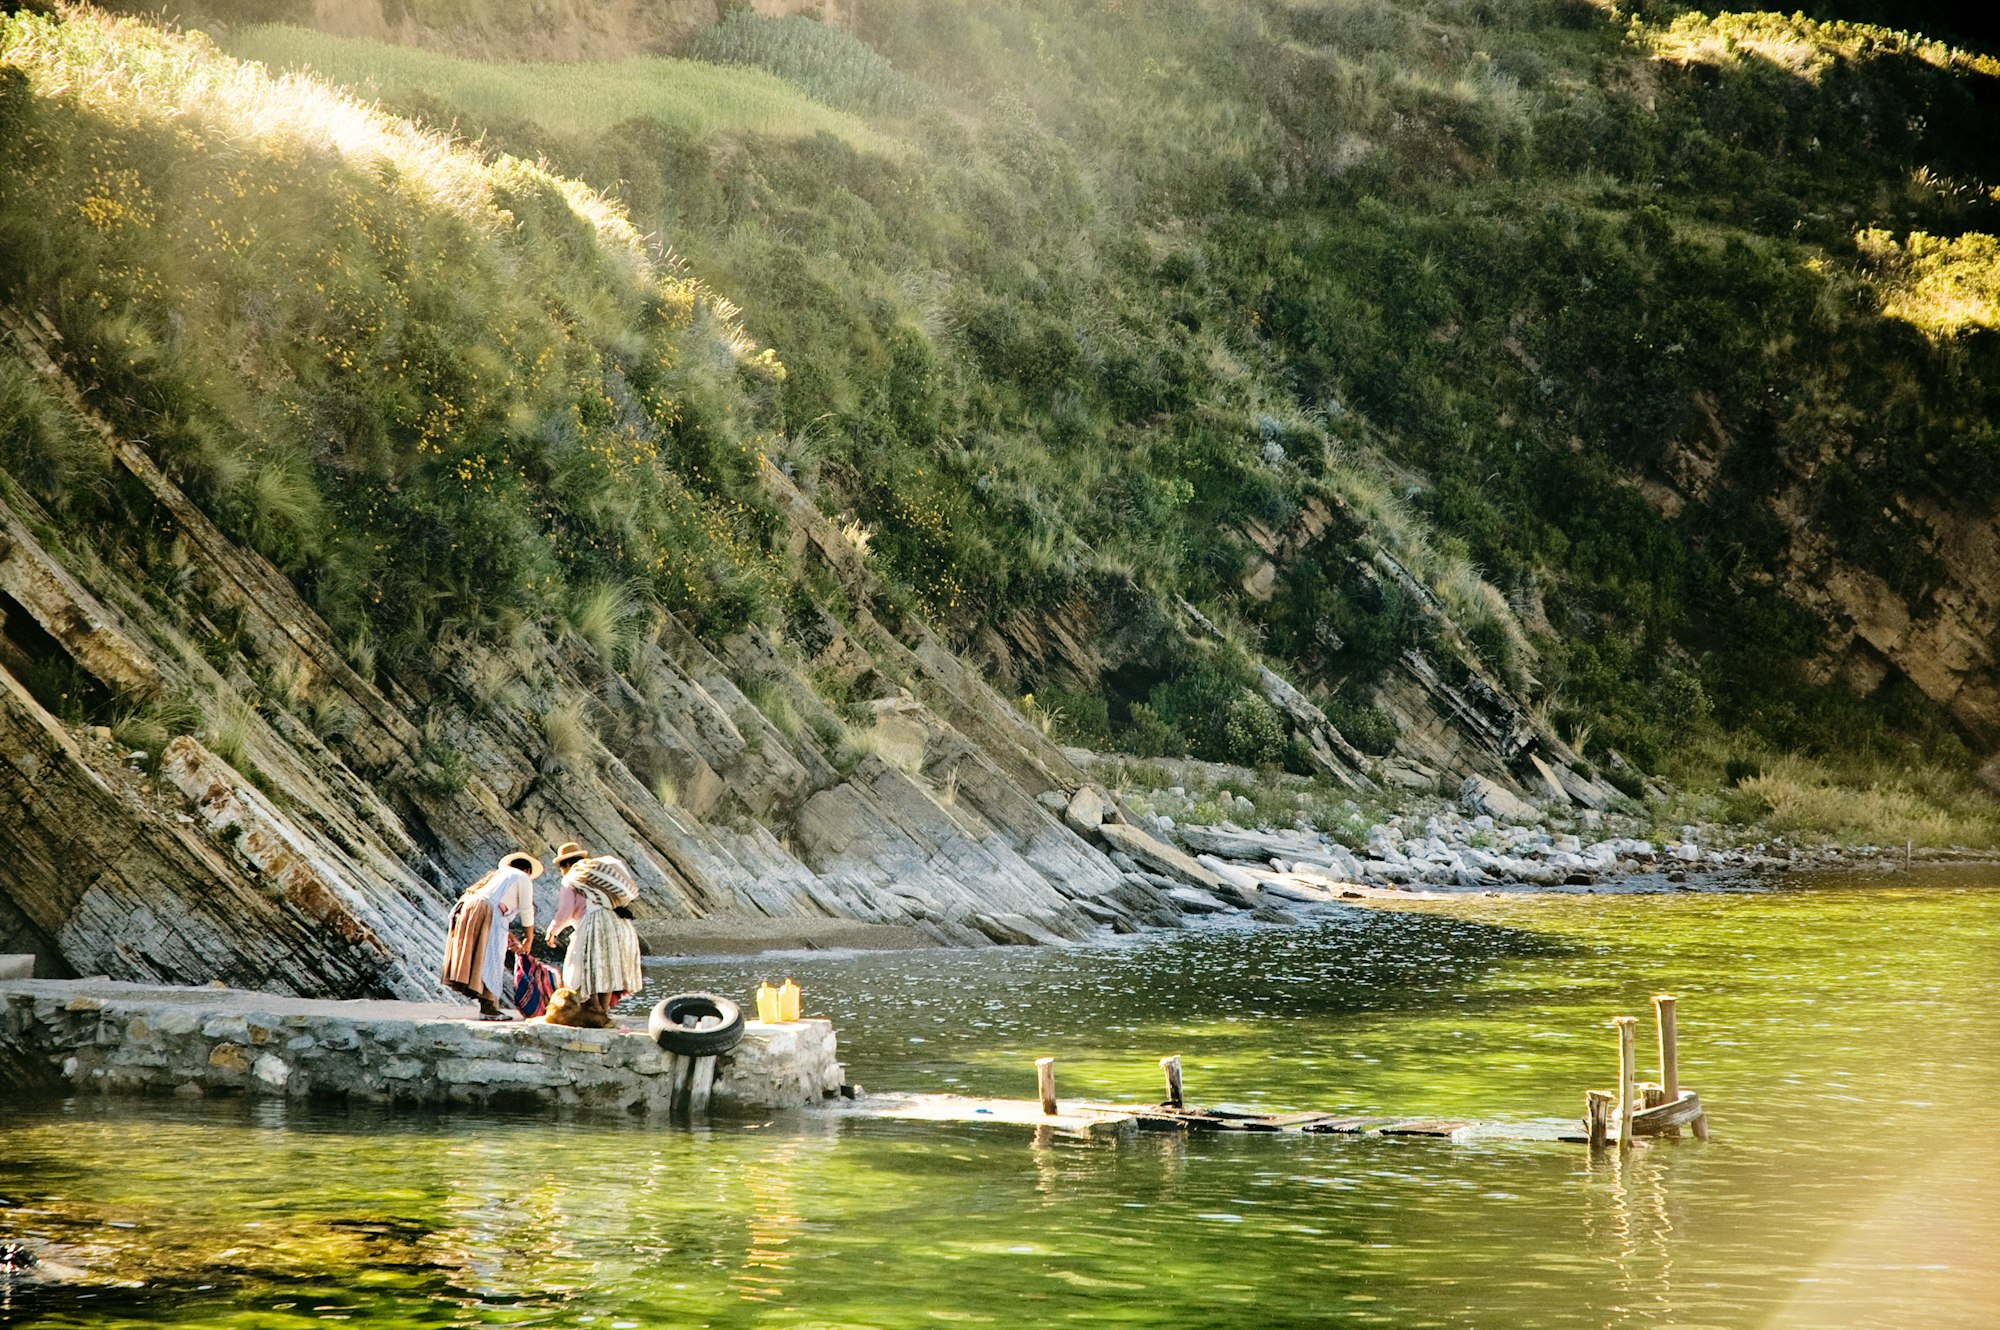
1844	1032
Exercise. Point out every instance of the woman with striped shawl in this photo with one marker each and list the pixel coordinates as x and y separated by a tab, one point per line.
602	964
475	950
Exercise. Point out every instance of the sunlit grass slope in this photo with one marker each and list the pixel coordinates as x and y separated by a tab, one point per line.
569	98
437	388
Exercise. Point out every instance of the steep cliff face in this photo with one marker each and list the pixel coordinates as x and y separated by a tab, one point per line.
321	855
322	861
1939	631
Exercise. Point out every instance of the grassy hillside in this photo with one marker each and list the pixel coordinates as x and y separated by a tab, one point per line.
442	391
688	94
1080	308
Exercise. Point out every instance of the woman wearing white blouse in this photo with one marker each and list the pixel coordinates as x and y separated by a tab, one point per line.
475	950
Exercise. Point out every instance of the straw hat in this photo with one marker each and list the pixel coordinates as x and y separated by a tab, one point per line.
568	853
524	861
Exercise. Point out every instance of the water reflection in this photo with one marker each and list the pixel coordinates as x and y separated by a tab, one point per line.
1840	1037
1628	1216
775	1223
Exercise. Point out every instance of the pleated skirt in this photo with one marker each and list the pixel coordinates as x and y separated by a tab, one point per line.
603	955
475	950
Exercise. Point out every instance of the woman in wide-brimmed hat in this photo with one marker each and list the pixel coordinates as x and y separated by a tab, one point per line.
602	964
476	948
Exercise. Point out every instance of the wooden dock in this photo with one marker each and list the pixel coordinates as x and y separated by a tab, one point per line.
1634	1110
1085	1118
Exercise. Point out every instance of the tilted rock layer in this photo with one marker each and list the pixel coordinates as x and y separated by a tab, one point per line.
322	861
310	839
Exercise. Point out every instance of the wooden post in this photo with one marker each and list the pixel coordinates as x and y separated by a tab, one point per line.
701	1084
1597	1117
1045	1080
680	1070
1171	1067
1625	1024
1701	1127
1670	1064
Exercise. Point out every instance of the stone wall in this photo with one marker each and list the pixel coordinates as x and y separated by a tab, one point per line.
100	1037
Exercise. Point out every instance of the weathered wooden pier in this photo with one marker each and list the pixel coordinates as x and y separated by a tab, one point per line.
1645	1108
1621	1117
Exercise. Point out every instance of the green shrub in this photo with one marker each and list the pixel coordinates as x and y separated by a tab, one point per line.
1253	734
1366	727
1083	718
1740	769
1146	734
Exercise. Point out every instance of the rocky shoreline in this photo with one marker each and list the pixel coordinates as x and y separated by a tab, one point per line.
1488	842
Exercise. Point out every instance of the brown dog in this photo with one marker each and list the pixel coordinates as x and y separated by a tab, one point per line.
565	1008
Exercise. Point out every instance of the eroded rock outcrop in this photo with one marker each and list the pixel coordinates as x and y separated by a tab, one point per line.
307	829
1941	635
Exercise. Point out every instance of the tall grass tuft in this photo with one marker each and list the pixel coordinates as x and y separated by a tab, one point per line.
567	728
829	64
774	700
287	517
226	731
1888	806
600	612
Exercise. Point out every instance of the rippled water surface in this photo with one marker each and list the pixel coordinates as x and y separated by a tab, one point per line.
1845	1035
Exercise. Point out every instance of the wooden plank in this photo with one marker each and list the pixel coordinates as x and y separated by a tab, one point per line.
701	1075
680	1074
1426	1127
1077	1119
1681	1112
1293	1121
701	1085
1337	1126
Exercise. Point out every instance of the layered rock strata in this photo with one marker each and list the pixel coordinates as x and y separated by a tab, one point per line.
309	835
307	825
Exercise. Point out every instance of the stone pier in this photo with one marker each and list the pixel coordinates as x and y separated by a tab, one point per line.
103	1037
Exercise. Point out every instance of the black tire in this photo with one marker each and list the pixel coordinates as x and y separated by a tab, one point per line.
671	1019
